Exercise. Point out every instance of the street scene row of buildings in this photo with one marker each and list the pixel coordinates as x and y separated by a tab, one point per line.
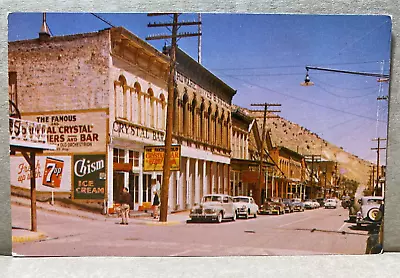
100	99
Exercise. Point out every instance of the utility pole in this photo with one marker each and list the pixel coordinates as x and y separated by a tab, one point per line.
377	161
314	158
257	192
170	106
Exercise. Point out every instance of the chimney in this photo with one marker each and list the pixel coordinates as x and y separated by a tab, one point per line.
44	33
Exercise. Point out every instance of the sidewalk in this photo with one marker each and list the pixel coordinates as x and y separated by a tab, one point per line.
20	235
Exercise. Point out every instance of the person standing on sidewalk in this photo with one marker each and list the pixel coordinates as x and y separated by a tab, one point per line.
125	200
156	203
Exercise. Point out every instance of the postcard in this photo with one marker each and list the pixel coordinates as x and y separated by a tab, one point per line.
197	135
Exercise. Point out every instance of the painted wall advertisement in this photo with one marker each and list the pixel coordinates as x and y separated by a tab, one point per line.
89	177
50	172
154	158
75	132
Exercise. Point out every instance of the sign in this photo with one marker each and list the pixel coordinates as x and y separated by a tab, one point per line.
154	158
53	172
74	132
89	177
136	132
123	167
20	173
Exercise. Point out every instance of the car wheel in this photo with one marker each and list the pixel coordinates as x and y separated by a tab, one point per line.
374	214
234	217
255	215
283	212
246	215
219	217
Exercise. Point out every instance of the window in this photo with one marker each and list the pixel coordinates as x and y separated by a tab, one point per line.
12	92
119	156
134	158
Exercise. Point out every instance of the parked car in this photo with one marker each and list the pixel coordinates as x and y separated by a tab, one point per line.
309	204
272	206
316	204
321	202
370	211
330	203
289	208
214	207
298	205
245	206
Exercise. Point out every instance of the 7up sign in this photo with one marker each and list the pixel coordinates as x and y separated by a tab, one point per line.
53	172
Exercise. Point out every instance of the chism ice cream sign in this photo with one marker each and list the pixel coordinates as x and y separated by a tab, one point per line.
89	177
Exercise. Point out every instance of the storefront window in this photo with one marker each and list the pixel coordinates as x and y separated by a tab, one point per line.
134	158
119	156
146	188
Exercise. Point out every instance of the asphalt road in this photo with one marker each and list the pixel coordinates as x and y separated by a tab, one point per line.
319	231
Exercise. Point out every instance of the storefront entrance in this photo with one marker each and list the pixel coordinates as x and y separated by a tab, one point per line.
118	185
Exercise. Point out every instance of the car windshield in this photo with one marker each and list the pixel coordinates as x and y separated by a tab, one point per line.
241	200
212	199
374	201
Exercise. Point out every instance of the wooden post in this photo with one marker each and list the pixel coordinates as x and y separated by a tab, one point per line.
33	193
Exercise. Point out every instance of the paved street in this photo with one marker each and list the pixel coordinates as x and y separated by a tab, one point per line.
290	234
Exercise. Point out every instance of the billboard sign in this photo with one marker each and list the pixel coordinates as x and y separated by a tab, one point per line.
154	158
89	173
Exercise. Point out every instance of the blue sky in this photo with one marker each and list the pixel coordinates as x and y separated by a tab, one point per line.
263	57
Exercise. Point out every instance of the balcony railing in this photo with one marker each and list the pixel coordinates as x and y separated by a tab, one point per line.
24	131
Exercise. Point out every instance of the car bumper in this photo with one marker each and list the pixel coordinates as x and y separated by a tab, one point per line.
366	222
196	216
269	211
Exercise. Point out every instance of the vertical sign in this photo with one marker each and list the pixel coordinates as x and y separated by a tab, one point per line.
89	177
53	172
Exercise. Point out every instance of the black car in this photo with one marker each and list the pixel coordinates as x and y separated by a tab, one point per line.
289	206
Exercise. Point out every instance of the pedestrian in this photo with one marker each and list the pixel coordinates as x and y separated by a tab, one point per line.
125	200
156	203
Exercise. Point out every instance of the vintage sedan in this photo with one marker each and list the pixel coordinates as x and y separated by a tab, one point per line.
370	211
298	205
309	204
330	203
288	205
245	206
214	207
272	206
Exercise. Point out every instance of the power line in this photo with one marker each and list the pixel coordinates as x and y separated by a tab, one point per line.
303	100
337	87
105	21
341	96
293	66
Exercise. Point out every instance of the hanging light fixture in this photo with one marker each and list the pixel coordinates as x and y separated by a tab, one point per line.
307	81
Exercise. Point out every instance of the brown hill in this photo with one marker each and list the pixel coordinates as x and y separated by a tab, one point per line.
305	142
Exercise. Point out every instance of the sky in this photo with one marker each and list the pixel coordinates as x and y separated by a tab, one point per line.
263	57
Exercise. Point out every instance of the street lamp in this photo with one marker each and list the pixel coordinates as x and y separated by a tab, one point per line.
307	81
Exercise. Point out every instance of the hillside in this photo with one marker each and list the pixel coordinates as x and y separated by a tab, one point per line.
305	142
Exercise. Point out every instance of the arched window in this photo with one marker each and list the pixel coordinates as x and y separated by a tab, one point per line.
216	133
185	114
210	126
201	127
137	108
120	98
228	133
194	121
152	113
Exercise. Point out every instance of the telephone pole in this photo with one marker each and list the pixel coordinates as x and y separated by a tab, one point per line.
170	106
257	193
313	158
378	149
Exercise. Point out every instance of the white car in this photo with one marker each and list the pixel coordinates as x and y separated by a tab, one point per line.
309	204
330	203
245	206
214	207
316	204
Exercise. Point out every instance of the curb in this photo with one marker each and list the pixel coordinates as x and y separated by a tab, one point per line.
22	239
170	223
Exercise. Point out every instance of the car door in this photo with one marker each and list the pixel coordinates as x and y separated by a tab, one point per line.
225	205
